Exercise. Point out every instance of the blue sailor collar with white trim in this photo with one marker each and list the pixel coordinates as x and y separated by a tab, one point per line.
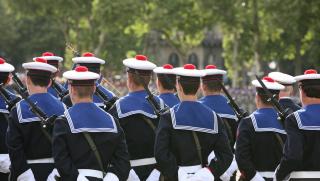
220	105
266	120
96	121
169	99
194	116
136	103
308	117
3	104
97	100
45	101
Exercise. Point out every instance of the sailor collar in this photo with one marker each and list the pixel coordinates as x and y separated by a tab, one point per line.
169	99
308	117
266	120
194	116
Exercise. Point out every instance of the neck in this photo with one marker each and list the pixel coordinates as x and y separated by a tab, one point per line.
164	91
310	101
210	93
77	100
37	90
264	106
188	97
135	89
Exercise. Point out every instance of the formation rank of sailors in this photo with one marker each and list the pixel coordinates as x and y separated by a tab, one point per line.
96	136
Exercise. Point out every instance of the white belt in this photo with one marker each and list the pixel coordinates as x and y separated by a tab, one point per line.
42	160
91	173
141	162
190	169
305	174
266	174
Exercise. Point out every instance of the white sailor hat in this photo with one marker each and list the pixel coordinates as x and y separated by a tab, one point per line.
140	62
269	82
188	70
212	70
49	56
80	76
165	69
310	74
87	58
39	64
282	78
5	67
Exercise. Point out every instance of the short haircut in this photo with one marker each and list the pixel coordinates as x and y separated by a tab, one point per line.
84	91
213	82
311	88
144	75
190	85
92	67
4	77
167	81
39	77
264	98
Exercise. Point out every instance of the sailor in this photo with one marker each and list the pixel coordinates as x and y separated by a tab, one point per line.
74	156
166	84
5	69
286	95
211	88
301	151
29	144
138	119
260	136
191	142
93	64
54	61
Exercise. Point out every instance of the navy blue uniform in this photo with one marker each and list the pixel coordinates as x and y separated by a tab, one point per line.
134	112
72	152
259	144
170	99
25	139
175	145
302	149
289	103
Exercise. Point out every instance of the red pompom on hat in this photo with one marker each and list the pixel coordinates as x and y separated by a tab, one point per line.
88	54
268	79
211	67
81	69
41	60
167	66
189	66
310	71
47	54
2	61
141	57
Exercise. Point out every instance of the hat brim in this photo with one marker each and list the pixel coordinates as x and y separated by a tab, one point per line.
214	72
74	75
269	85
161	70
6	67
39	66
282	78
60	59
188	72
88	60
138	64
307	77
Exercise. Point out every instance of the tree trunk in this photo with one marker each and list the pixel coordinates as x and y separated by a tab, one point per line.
297	61
256	41
235	75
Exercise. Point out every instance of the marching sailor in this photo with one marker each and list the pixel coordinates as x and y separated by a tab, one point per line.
211	89
191	142
260	136
285	95
54	61
138	119
301	151
5	69
29	144
74	155
166	84
93	64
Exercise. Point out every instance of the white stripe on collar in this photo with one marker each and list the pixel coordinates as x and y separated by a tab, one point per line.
4	111
191	128
27	120
257	129
228	116
301	126
79	130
